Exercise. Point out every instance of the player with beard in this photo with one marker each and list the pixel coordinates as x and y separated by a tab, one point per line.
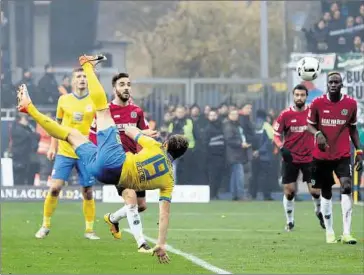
332	119
296	150
124	113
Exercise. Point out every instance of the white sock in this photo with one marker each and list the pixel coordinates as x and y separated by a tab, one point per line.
118	215
288	209
326	210
317	205
135	223
347	210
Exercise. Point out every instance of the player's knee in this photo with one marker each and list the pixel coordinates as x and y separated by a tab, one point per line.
55	188
132	208
315	193
54	191
142	207
290	196
130	197
345	186
289	192
87	193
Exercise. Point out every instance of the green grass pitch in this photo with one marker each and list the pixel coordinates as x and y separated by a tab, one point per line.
240	237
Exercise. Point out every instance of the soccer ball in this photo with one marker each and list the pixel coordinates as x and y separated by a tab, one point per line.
308	68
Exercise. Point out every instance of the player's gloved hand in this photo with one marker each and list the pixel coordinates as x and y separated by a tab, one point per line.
321	141
286	155
161	253
359	160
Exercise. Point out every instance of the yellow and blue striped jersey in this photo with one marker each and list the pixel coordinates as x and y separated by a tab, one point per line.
149	169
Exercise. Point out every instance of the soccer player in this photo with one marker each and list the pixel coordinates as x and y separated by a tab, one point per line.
75	110
150	169
332	119
296	150
124	113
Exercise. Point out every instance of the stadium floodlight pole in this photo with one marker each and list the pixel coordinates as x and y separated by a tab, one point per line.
264	57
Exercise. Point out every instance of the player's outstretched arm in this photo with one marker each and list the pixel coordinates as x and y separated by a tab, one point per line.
133	132
160	249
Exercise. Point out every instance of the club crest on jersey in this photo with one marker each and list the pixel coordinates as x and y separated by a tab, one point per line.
344	112
133	114
89	108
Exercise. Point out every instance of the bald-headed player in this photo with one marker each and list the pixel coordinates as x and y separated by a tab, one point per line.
332	119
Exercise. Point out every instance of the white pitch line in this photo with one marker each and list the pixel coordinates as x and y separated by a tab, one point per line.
216	229
189	257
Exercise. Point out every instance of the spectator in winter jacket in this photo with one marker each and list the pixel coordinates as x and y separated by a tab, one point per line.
27	79
48	86
24	144
215	152
236	145
65	87
262	157
45	165
245	121
183	125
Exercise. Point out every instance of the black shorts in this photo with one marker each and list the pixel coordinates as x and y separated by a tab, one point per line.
140	194
290	172
322	171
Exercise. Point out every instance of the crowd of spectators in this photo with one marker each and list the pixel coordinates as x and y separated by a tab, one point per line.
339	30
229	151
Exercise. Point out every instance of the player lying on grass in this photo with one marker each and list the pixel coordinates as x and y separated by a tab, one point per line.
150	169
75	110
124	113
296	152
332	119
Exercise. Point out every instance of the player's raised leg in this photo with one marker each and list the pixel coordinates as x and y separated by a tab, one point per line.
25	105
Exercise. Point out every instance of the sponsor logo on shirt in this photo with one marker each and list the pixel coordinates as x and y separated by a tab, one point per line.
332	122
122	126
298	129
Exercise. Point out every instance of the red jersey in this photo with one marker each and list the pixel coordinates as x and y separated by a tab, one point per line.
129	115
333	119
293	125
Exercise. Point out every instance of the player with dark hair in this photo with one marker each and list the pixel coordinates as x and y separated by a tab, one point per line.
332	120
75	110
124	114
296	150
150	169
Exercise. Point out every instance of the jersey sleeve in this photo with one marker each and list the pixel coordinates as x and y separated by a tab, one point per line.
279	125
145	141
165	193
59	113
353	118
142	122
92	133
312	113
